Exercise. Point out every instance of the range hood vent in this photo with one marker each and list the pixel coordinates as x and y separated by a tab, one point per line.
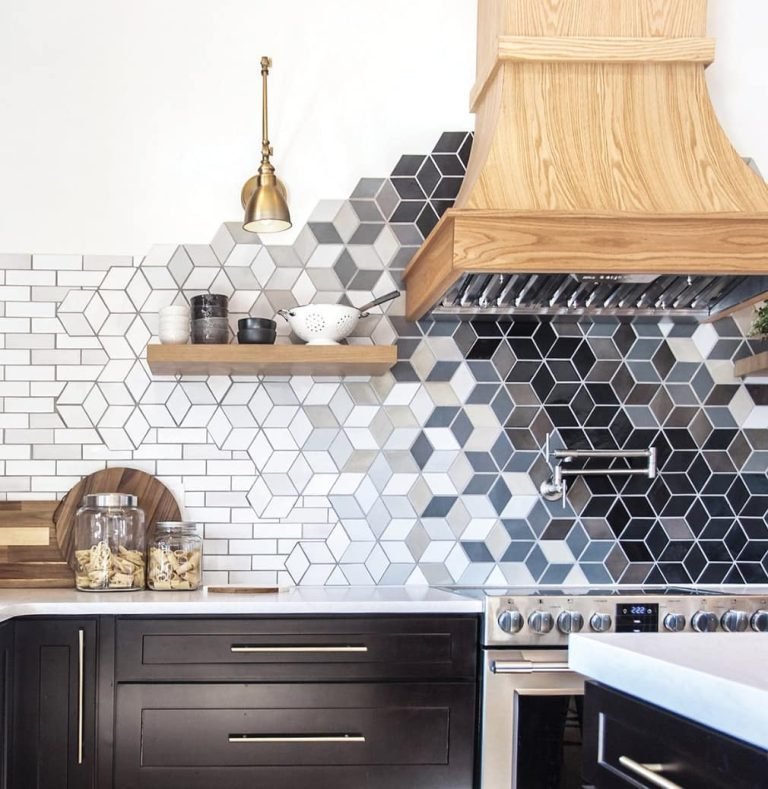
599	178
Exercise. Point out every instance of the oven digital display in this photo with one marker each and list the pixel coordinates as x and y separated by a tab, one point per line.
637	618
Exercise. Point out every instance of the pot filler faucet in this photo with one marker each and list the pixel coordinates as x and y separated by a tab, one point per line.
556	486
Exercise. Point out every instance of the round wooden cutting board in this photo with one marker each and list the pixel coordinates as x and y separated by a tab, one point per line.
155	499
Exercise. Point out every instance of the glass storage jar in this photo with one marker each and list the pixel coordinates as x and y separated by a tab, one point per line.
110	543
175	557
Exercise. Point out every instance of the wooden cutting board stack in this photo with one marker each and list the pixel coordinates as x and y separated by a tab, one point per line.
37	538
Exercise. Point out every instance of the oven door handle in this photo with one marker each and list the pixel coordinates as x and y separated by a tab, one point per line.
527	667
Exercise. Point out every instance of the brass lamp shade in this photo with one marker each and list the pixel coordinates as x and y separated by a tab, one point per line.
263	199
263	196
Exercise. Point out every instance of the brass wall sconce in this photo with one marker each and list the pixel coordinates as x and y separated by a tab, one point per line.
263	196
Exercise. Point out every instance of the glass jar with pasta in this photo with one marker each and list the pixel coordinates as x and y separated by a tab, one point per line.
175	557
109	543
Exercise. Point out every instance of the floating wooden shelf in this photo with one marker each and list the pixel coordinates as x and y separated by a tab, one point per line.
271	359
752	365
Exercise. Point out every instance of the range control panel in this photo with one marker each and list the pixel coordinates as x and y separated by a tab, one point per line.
539	619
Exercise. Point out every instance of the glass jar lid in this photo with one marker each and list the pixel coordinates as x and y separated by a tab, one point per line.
109	500
175	525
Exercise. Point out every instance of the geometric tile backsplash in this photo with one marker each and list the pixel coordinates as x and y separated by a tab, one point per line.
429	474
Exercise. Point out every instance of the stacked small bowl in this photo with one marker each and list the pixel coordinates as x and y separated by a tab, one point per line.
174	325
256	331
210	319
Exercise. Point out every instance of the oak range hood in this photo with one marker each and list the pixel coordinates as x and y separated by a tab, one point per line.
600	180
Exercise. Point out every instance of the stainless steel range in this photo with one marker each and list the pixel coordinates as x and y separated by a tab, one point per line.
531	716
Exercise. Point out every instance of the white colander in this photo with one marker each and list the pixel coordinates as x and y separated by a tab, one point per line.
326	324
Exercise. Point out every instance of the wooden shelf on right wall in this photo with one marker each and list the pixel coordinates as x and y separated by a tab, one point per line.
752	365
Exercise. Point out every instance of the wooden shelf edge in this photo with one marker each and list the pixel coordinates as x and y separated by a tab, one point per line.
331	360
751	365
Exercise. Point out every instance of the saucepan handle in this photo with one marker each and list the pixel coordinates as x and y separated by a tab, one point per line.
375	303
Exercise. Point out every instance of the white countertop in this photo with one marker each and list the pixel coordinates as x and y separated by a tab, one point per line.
294	600
717	679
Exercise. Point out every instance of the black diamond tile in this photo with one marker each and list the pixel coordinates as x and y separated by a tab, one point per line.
466	149
544	337
441	206
542	382
408	211
447	189
636	551
449	164
522	327
714	573
450	142
624	338
408	165
408	188
524	347
427	220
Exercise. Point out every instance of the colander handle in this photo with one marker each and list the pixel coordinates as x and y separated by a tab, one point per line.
375	303
285	314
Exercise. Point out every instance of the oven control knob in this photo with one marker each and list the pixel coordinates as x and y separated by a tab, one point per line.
600	623
541	622
570	622
760	622
674	623
510	621
704	622
734	621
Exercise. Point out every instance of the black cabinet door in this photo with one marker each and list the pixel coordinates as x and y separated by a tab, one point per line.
6	686
628	743
54	704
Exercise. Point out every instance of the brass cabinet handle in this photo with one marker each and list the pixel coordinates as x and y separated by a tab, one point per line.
80	692
296	738
648	772
308	648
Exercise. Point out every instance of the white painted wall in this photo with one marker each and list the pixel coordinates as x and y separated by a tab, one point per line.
125	124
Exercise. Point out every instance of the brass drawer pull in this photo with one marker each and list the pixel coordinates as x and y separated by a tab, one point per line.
308	649
296	738
648	772
80	692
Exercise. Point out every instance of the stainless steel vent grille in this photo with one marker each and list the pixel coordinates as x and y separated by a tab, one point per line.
613	294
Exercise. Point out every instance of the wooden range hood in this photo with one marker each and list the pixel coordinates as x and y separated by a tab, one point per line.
597	154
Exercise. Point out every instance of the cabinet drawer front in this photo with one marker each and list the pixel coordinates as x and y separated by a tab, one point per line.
626	738
297	649
295	735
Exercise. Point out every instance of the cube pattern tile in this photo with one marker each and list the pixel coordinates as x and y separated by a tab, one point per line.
429	474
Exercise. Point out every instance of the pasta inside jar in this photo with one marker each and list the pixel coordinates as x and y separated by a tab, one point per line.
175	558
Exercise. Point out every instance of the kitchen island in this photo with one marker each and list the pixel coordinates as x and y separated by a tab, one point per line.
716	679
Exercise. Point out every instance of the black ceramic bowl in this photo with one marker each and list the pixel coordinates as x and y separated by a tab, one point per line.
247	324
256	336
209	305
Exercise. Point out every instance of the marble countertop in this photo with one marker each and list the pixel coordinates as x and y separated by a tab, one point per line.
293	600
717	679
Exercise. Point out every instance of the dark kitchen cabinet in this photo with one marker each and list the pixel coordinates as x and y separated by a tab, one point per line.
625	739
293	702
54	704
6	691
